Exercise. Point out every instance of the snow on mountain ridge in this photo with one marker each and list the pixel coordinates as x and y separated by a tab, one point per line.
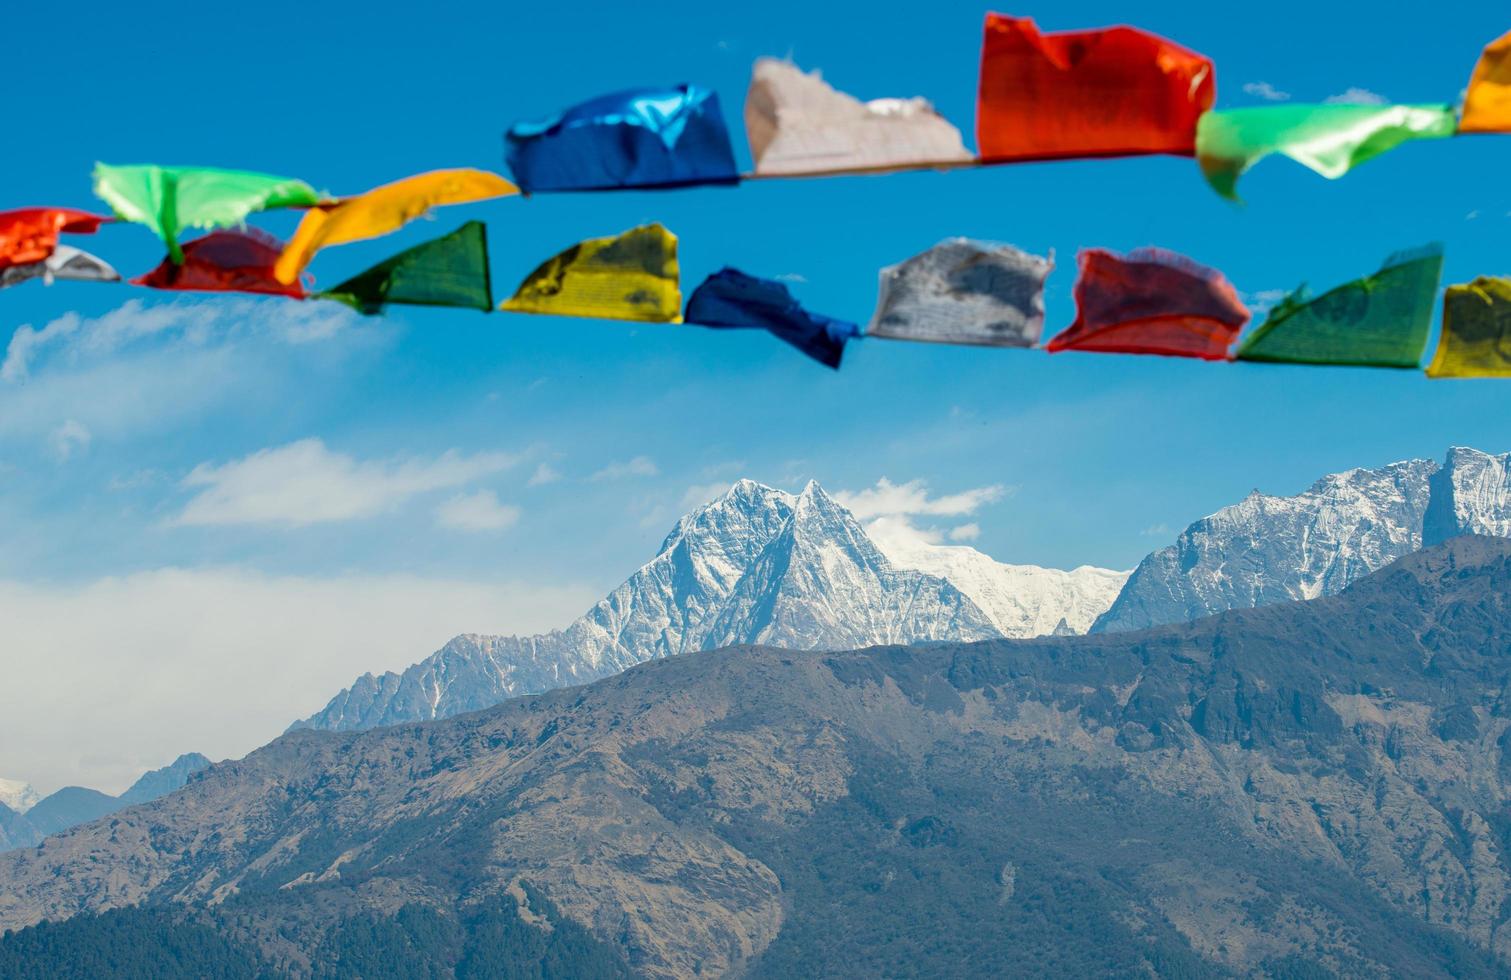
17	795
1021	600
757	565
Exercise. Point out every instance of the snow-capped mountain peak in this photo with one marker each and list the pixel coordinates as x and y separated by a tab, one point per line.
755	565
18	796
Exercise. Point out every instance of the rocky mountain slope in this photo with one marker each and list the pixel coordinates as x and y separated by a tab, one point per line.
1304	789
758	565
1274	549
72	805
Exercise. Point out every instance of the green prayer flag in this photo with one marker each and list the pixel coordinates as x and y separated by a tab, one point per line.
170	199
1378	321
1330	139
448	271
1476	338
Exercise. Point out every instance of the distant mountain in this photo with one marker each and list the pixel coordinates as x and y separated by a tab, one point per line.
1303	790
73	805
758	565
1273	549
18	796
161	782
68	807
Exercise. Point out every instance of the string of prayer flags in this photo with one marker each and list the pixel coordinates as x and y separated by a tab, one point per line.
29	235
1476	337
224	261
632	276
964	292
797	124
66	263
730	298
170	199
1487	102
1329	139
1152	301
667	137
448	271
1116	91
383	210
1380	320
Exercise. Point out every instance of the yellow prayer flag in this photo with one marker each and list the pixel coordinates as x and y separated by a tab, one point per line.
632	276
1476	339
1487	103
383	210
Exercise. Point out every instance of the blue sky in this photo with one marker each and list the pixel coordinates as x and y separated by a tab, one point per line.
527	464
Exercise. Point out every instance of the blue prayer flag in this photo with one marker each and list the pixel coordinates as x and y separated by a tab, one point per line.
665	137
730	298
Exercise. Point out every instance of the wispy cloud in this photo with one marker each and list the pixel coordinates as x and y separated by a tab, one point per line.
544	473
1263	300
638	466
912	498
305	483
70	439
1266	91
702	493
965	532
480	511
1156	530
791	277
1356	96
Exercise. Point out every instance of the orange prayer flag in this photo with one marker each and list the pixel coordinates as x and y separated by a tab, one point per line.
1115	91
30	234
1487	103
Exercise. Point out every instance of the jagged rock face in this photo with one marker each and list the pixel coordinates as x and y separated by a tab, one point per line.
1302	788
757	566
1471	494
1274	549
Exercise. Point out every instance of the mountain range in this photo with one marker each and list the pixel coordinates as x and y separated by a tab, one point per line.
758	565
1274	549
1301	790
27	817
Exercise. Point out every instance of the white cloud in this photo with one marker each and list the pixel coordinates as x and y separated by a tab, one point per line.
142	369
1156	530
1266	91
1356	96
698	495
792	277
892	499
69	438
544	473
899	536
1262	300
639	466
305	483
480	511
965	532
127	673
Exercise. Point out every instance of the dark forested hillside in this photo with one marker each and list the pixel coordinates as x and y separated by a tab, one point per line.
1301	790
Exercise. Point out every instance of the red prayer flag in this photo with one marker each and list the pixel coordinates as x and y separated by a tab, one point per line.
1152	302
1115	91
30	234
226	261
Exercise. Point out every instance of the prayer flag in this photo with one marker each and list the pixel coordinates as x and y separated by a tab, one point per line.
639	138
1378	321
448	271
1487	103
1152	301
1476	338
632	276
29	235
169	199
384	209
798	124
964	292
225	261
1115	91
65	262
1330	139
730	298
